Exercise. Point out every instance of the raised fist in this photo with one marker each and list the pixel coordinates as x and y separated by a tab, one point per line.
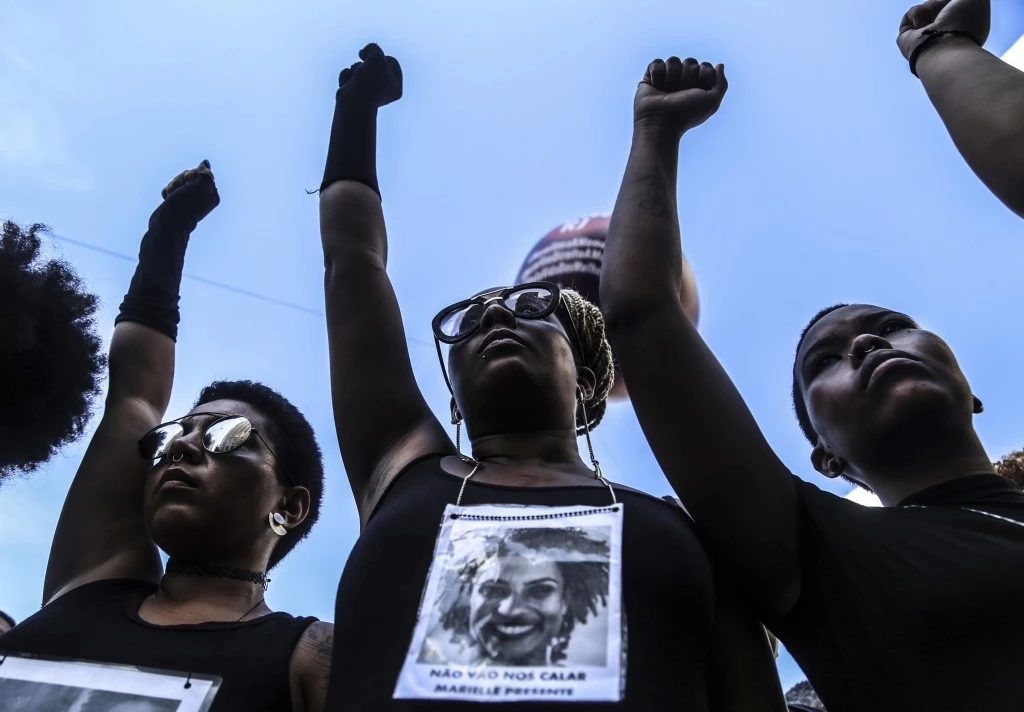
192	193
376	80
679	95
971	16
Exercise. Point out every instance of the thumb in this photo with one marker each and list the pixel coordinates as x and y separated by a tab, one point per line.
721	83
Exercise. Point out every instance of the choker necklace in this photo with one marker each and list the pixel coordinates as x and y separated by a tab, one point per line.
229	572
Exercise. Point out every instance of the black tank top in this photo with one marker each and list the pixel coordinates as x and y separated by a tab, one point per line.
100	622
667	595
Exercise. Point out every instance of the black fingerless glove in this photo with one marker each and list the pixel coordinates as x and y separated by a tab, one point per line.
362	89
152	297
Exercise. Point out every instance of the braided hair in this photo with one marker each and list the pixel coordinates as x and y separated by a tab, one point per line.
597	356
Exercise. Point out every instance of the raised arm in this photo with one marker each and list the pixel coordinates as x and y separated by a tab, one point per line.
712	452
979	97
382	420
101	532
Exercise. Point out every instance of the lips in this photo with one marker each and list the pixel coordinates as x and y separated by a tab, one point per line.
512	630
177	477
501	335
875	360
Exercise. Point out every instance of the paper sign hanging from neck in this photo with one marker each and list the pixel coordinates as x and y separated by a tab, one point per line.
521	604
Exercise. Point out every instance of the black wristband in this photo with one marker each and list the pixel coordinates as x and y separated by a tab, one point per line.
352	151
930	38
152	297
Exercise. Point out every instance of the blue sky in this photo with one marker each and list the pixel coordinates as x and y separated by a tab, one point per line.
825	177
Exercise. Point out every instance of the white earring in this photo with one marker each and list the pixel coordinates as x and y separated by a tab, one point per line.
276	523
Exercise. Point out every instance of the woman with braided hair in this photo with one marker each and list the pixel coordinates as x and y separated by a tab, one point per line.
529	370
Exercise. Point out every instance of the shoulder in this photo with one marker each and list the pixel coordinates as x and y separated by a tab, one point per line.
311	665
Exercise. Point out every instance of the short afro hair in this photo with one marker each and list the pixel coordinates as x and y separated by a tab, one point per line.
597	356
51	362
294	444
802	417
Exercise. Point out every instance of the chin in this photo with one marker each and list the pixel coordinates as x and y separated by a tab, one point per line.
179	532
919	408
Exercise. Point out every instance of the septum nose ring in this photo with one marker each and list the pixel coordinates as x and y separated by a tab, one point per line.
177	457
866	351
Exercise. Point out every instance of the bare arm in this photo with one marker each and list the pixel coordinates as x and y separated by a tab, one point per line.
979	97
700	430
743	676
311	668
101	532
382	419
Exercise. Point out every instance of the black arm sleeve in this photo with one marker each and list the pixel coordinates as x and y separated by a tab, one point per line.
152	297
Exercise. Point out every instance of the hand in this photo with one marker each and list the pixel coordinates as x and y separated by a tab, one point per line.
192	191
973	16
377	80
679	95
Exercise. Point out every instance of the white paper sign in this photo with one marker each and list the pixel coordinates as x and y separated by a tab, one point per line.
30	684
521	604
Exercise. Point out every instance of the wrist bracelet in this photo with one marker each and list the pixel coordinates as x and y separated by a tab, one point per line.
932	36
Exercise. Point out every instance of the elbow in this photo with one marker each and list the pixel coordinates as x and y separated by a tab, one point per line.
625	306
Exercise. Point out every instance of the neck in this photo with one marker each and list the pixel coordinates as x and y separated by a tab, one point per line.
918	466
187	582
541	449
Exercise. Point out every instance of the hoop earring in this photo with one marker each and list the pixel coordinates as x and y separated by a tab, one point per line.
276	523
457	422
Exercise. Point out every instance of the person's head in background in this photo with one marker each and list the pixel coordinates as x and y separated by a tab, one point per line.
50	356
6	623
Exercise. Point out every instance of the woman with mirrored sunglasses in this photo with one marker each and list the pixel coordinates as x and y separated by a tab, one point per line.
510	570
226	491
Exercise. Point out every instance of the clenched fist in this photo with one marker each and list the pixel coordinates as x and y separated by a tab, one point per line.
375	81
192	193
970	16
678	95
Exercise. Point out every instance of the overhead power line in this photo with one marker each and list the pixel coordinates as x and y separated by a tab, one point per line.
212	282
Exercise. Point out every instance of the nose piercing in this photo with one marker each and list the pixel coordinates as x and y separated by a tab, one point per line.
177	457
866	351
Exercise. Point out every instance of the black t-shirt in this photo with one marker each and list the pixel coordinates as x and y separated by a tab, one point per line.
667	600
916	607
100	622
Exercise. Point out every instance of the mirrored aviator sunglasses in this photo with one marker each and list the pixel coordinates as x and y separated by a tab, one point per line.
224	434
534	300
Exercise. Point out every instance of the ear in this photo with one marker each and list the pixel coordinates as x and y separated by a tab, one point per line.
825	462
294	506
586	381
456	415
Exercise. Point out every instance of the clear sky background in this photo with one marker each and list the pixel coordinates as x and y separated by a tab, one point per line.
825	177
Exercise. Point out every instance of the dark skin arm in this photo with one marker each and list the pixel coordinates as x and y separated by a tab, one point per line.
383	422
101	533
310	668
702	433
743	675
979	97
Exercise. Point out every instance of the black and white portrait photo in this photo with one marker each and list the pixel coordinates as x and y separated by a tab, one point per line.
520	603
518	598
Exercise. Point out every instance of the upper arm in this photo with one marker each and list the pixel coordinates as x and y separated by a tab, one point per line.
739	493
980	99
381	417
743	675
311	666
101	531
